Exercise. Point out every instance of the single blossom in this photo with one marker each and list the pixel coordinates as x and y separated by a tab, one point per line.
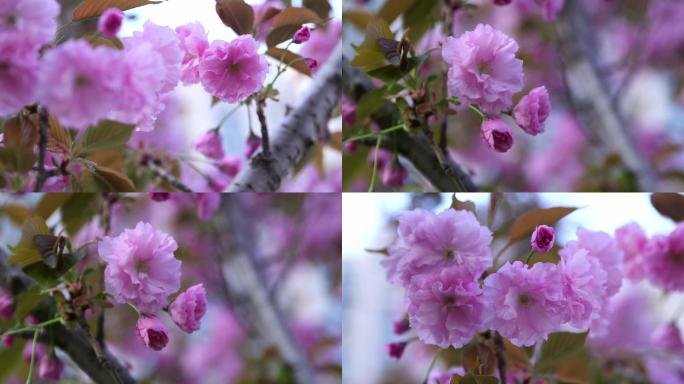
50	367
602	247
302	35
193	41
166	43
253	143
110	22
80	84
6	305
483	69
584	288
396	350
30	22
141	267
664	259
542	239
526	303
632	241
233	71
189	308
446	308
152	332
429	243
19	68
394	175
7	340
211	145
497	135
533	110
207	204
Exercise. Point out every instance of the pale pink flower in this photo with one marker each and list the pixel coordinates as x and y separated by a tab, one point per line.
532	111
6	305
446	308
542	239
632	240
193	41
164	42
603	247
110	22
526	304
584	288
322	42
664	259
80	84
210	145
141	267
50	367
483	69
430	242
189	308
233	71
19	69
497	135
152	332
207	204
33	22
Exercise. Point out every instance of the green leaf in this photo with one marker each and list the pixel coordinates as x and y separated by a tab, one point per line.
420	18
50	203
78	211
113	181
94	8
321	7
393	8
106	135
25	252
370	102
558	347
287	22
17	159
528	221
369	55
463	205
48	277
26	302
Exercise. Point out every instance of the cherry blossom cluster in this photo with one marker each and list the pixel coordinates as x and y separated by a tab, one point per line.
143	272
485	72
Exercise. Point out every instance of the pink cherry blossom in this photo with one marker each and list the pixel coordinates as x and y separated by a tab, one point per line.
110	22
233	71
483	69
31	22
165	43
252	144
189	308
632	240
193	41
542	239
19	68
664	259
584	288
526	304
603	247
446	308
141	267
210	144
80	84
533	110
152	332
497	135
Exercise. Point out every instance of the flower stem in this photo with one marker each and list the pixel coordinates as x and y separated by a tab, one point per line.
375	164
432	365
33	355
375	134
529	255
477	110
36	327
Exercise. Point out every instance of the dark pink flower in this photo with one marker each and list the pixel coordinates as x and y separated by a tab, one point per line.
533	110
8	340
311	63
189	308
396	350
497	135
110	22
542	239
160	196
664	259
152	332
323	41
401	326
211	145
302	35
50	367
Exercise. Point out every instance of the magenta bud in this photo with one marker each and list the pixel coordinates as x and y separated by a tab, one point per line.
542	239
497	135
302	35
401	326
152	332
396	350
110	22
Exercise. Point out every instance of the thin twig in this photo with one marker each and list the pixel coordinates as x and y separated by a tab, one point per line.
165	175
500	356
42	146
265	142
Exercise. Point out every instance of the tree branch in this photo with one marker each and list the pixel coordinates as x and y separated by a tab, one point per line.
416	148
298	132
589	92
240	268
72	342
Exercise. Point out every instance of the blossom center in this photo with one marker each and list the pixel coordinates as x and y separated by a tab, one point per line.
140	266
3	66
483	68
234	68
449	254
678	257
81	81
11	19
524	299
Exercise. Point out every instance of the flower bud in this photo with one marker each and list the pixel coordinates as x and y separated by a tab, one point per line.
160	196
50	368
253	143
230	165
396	350
189	308
6	305
395	175
533	110
110	22
542	239
210	145
497	135
152	332
302	35
401	326
311	63
8	340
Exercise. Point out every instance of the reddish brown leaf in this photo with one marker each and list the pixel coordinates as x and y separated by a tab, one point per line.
237	15
669	204
94	8
292	59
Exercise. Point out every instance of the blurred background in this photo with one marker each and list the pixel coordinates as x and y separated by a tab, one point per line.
292	241
371	304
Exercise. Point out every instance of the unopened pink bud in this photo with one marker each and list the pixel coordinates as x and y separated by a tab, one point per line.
497	135
110	22
396	350
302	35
152	332
542	239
